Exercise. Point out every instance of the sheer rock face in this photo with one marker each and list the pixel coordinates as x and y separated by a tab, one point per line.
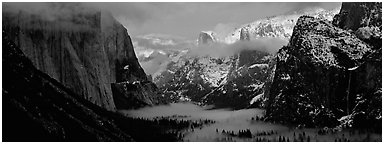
320	67
38	108
364	20
244	34
355	15
122	59
129	95
206	37
86	53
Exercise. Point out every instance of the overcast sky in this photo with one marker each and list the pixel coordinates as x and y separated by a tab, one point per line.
184	19
188	19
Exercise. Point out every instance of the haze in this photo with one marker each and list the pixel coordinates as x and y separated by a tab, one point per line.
188	19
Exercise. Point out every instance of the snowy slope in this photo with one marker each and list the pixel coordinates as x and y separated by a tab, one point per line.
278	26
241	77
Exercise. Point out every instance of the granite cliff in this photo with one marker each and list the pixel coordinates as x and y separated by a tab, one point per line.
86	51
330	72
37	107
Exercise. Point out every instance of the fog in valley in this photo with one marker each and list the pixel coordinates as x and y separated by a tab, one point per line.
234	121
192	71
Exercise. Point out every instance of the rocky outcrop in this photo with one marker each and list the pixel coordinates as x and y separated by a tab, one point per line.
353	16
367	88
123	62
86	52
366	77
244	34
206	37
128	95
323	73
37	107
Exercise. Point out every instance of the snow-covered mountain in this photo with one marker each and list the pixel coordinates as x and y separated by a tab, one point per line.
206	37
237	80
277	26
155	51
211	80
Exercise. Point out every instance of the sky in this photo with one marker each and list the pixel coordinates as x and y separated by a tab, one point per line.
183	20
179	22
187	19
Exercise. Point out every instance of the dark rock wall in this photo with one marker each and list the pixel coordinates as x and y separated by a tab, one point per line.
135	95
354	15
325	71
37	108
86	53
365	21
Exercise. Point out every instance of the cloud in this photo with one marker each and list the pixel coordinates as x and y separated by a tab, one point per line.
153	50
185	19
161	42
51	16
154	62
50	11
222	30
129	14
135	12
158	63
270	45
306	5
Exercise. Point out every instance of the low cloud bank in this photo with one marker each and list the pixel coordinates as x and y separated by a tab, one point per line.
270	45
63	16
158	62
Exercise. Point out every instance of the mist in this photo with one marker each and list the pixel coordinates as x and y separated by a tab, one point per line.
158	61
169	18
161	42
156	64
186	109
269	45
50	11
222	30
64	16
225	119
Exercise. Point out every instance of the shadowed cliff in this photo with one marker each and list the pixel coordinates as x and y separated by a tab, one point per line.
87	51
37	107
330	73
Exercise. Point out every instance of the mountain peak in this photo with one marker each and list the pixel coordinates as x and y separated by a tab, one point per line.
206	37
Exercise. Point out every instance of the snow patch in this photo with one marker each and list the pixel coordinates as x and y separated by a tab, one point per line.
286	77
256	86
256	98
258	65
146	53
126	67
182	98
170	71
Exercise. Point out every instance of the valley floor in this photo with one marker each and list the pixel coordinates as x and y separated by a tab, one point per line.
241	125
